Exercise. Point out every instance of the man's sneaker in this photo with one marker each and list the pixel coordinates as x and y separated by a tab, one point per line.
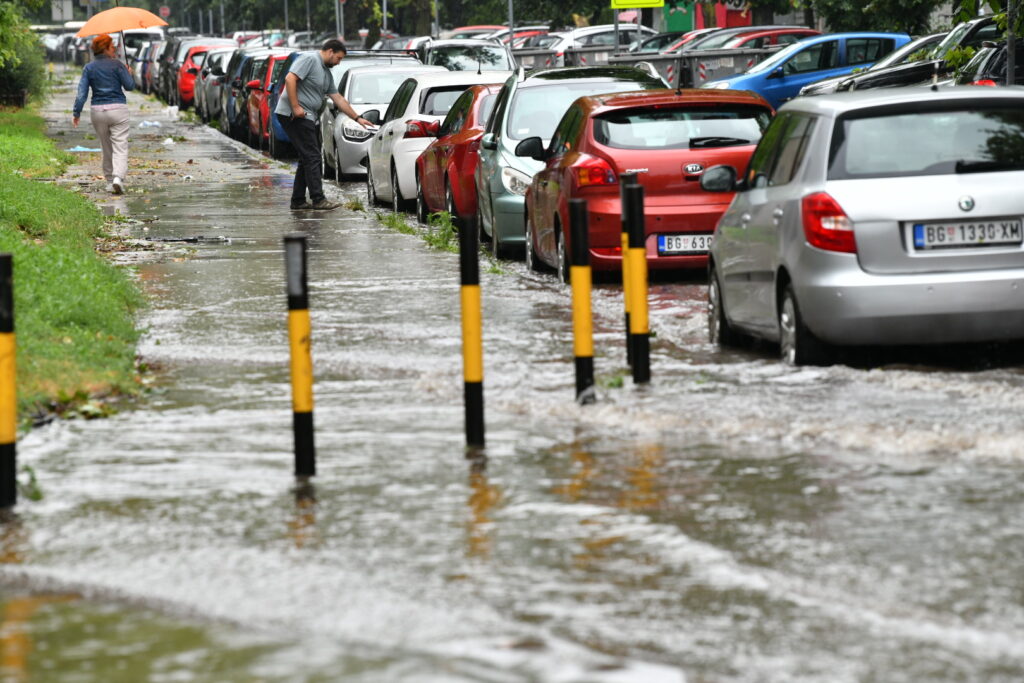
118	185
300	206
325	205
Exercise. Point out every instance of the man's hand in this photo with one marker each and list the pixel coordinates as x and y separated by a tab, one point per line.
298	112
74	121
365	123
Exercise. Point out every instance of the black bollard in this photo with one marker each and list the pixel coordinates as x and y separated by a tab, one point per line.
472	336
639	328
299	341
582	317
625	180
8	386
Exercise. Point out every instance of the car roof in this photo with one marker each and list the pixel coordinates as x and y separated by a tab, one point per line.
430	80
841	103
468	42
542	77
383	68
811	40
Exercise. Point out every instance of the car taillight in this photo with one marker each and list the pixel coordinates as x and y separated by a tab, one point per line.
415	129
985	81
826	225
594	171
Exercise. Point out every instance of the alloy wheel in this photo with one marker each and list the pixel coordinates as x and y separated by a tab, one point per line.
422	214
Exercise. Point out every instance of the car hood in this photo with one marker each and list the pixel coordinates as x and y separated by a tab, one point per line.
526	165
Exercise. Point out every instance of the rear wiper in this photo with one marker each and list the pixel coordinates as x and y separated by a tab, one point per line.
713	141
977	166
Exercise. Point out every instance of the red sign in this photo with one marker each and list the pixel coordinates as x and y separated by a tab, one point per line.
165	11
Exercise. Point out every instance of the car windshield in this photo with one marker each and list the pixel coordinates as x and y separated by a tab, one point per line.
776	59
339	69
952	39
536	111
376	87
899	55
929	143
715	41
682	127
470	58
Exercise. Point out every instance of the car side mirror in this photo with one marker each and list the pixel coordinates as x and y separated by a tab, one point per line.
373	116
777	72
531	147
192	71
254	84
719	179
489	141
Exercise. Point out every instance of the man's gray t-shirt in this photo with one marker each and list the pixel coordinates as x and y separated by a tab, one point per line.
315	83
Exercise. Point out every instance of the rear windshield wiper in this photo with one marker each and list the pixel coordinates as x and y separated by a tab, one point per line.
713	141
977	166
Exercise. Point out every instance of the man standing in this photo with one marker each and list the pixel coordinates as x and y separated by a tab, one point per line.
307	83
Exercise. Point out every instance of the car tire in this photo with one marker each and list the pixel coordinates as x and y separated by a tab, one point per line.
372	199
562	254
449	204
532	262
720	332
797	344
327	171
422	212
398	203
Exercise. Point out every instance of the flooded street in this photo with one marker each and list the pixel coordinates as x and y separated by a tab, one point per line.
736	520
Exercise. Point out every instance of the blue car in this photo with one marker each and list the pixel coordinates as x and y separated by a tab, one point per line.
780	77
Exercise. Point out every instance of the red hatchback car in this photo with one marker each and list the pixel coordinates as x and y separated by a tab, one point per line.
190	69
257	104
666	137
446	170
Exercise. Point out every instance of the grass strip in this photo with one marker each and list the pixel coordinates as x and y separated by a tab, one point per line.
74	311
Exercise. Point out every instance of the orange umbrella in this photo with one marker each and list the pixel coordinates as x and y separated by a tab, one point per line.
119	19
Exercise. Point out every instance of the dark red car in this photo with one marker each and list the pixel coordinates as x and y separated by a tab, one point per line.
446	169
257	103
190	67
667	138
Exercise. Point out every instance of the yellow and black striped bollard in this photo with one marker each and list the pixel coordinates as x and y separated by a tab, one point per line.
8	390
299	342
624	180
472	336
582	317
638	323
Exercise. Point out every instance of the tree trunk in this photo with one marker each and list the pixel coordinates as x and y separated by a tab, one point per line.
809	16
423	10
763	15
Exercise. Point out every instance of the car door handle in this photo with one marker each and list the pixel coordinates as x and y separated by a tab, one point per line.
744	219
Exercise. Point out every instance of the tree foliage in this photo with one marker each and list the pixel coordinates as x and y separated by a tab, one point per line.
904	16
21	55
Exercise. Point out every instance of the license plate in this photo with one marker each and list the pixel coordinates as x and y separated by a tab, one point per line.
684	244
991	233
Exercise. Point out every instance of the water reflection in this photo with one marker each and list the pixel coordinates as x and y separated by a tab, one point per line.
302	526
484	497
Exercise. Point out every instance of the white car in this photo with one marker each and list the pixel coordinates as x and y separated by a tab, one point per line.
409	125
598	36
367	88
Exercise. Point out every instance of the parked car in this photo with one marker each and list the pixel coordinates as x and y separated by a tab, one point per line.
209	82
666	137
970	34
764	39
530	105
474	31
445	171
988	66
780	77
193	60
688	38
235	93
416	110
265	71
346	144
902	55
657	42
598	36
719	39
468	55
875	218
507	37
537	42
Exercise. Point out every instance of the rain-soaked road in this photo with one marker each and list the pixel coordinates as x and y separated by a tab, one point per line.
737	520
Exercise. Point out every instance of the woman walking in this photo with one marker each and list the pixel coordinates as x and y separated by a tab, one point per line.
109	79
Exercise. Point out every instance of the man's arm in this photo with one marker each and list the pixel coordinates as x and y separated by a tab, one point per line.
291	90
346	108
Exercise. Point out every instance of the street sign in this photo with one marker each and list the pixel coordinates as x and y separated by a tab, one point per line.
164	11
637	4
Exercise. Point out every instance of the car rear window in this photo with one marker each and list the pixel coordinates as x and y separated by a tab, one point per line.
970	139
438	101
536	111
681	127
460	58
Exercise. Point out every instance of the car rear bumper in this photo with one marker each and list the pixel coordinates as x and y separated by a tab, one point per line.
842	304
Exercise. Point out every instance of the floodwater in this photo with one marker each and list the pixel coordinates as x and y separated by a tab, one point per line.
735	520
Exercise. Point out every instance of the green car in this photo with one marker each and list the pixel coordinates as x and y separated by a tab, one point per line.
531	105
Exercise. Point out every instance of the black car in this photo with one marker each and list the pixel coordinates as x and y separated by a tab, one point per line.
896	57
970	34
988	66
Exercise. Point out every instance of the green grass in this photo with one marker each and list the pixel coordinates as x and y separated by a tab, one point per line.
73	310
441	233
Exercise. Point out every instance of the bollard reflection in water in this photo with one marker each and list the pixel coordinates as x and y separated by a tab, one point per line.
302	526
484	497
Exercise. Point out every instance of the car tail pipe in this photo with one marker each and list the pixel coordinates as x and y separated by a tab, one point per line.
472	337
638	324
582	316
299	342
8	387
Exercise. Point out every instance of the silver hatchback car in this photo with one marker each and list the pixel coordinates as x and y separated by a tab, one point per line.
876	218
